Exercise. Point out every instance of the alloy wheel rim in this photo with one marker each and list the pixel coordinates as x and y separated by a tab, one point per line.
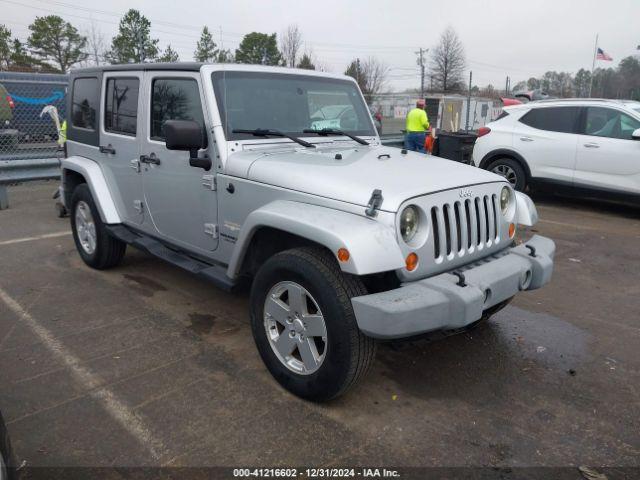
295	327
86	227
507	172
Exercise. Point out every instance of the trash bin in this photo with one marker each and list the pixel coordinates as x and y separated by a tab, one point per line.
456	146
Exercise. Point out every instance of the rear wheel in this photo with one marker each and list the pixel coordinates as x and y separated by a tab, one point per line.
97	248
304	326
511	170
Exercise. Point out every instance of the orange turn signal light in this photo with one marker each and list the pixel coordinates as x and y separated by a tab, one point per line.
411	262
343	255
512	230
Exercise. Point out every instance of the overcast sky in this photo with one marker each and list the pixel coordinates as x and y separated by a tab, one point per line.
516	38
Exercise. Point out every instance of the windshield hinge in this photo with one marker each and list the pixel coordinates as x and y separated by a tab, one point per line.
211	229
209	181
374	203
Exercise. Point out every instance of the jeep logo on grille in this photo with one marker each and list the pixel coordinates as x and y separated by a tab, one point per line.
465	192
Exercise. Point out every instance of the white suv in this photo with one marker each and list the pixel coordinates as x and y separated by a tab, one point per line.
590	145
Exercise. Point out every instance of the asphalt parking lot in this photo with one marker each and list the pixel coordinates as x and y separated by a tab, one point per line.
146	365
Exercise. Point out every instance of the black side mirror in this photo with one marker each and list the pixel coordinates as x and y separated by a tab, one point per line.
187	135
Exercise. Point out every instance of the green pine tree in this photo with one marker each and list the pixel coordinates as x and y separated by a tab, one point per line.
133	43
169	55
206	49
56	42
259	48
306	62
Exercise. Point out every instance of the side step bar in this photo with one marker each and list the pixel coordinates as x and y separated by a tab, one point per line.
213	273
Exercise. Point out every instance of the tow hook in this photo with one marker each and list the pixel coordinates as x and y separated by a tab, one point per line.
532	250
461	280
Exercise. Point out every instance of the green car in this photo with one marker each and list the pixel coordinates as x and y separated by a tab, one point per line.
8	136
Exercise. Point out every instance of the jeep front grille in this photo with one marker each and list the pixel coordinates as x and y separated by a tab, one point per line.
464	227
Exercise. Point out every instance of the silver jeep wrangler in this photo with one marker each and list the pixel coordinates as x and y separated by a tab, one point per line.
278	176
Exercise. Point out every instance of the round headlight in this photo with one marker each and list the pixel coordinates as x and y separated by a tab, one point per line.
505	199
409	221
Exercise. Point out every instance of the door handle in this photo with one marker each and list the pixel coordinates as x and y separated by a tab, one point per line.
592	145
526	139
107	149
151	158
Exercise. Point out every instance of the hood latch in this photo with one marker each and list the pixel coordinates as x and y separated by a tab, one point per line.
374	203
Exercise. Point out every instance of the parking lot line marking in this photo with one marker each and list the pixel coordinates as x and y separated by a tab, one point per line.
99	357
31	239
572	225
115	407
8	334
78	331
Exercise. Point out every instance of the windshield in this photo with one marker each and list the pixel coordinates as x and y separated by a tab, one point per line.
288	103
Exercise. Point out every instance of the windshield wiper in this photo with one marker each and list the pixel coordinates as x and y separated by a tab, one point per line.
259	132
332	131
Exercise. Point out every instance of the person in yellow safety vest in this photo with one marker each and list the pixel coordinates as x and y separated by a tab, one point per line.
62	133
417	125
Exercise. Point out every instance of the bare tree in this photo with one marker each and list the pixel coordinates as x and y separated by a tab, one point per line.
95	45
290	45
371	76
448	61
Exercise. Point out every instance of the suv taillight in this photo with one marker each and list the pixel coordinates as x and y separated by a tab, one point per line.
10	101
482	131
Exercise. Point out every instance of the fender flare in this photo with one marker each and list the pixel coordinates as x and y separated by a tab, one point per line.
372	245
505	152
526	211
94	177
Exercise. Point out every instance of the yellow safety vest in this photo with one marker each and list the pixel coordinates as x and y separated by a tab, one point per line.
417	120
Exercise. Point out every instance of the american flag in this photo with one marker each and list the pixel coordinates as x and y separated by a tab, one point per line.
601	55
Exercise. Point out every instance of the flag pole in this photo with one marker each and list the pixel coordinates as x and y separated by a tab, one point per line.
593	65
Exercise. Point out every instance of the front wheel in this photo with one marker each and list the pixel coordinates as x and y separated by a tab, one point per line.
304	326
97	248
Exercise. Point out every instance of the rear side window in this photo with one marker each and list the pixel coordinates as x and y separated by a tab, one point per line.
121	105
553	119
174	99
607	122
84	103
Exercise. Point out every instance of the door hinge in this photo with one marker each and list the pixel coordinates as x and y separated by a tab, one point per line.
210	182
211	229
138	205
135	164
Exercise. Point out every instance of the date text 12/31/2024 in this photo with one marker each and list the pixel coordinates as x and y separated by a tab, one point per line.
315	473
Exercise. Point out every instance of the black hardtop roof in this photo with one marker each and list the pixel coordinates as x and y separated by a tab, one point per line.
126	67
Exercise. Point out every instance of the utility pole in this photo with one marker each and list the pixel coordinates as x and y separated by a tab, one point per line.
140	47
466	126
507	86
421	53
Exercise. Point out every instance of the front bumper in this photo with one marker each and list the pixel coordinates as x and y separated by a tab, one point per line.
439	303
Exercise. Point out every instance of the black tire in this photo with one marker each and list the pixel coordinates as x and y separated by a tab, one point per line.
349	353
520	182
108	251
8	460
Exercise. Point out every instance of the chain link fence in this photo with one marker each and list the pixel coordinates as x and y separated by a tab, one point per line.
32	111
26	132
